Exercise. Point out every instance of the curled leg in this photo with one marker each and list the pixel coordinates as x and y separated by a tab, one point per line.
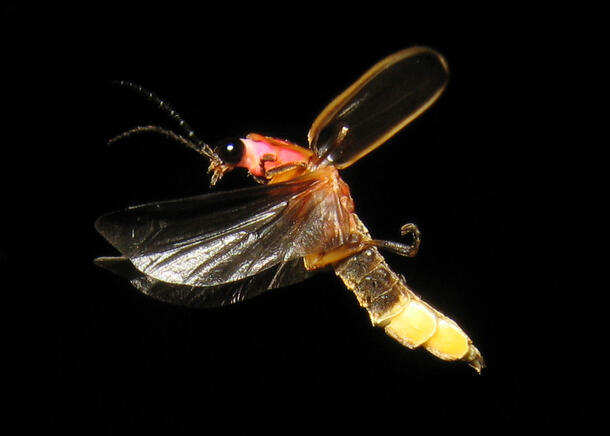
408	250
319	260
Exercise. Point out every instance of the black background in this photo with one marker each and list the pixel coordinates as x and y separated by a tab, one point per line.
477	173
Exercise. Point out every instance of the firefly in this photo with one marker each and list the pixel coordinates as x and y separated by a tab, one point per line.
222	248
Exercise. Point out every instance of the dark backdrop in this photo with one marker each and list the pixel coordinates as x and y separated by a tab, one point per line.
477	174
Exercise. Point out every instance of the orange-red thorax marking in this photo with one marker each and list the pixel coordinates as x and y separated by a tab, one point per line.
263	153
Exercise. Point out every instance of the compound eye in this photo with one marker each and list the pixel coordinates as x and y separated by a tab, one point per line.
230	151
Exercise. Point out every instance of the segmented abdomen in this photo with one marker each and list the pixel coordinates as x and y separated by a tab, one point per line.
405	317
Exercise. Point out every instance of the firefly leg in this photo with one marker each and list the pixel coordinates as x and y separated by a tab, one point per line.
281	169
319	260
399	248
284	172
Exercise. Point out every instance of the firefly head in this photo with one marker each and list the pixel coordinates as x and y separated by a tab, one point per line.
228	153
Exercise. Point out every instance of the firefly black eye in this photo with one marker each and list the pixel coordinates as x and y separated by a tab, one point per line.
230	150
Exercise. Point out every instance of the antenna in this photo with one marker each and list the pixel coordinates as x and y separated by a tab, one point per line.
164	106
189	139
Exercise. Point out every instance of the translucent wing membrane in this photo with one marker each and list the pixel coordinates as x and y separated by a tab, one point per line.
280	275
217	239
384	100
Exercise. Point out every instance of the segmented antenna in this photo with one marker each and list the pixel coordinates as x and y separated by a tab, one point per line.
189	139
165	132
164	106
